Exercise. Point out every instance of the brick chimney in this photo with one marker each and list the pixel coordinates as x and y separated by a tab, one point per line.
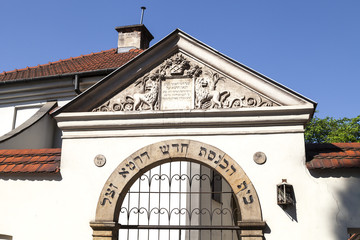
133	36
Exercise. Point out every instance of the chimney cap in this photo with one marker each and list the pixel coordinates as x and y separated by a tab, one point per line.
136	27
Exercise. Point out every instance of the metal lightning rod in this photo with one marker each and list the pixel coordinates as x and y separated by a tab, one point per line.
142	14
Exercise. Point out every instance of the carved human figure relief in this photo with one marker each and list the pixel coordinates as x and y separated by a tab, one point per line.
181	83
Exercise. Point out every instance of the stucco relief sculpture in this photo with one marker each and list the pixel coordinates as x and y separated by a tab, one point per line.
206	94
176	65
144	96
149	94
208	88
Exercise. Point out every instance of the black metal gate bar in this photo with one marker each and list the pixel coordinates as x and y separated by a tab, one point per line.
176	227
205	208
180	192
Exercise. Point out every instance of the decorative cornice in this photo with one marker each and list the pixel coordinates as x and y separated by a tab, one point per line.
190	122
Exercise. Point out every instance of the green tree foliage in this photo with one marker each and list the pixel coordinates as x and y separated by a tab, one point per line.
330	130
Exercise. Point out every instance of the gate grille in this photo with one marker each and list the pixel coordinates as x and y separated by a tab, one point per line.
179	200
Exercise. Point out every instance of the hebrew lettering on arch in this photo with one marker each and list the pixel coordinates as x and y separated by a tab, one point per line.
110	193
104	201
131	165
250	200
232	168
217	161
164	149
145	153
175	145
246	201
222	166
142	155
184	145
136	158
211	155
123	172
202	149
242	186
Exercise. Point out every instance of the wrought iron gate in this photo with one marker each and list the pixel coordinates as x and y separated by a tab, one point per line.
179	200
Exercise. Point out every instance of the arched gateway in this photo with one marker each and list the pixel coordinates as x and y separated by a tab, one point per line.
249	221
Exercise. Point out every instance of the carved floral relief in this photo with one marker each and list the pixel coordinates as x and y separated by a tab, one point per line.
209	89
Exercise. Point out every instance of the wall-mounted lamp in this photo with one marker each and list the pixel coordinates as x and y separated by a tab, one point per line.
285	194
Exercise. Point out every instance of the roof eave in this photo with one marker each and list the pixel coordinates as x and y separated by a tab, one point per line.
65	75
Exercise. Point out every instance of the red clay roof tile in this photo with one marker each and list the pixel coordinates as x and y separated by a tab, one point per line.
8	159
31	168
8	168
332	155
18	168
335	162
50	167
108	59
30	160
355	236
327	163
2	167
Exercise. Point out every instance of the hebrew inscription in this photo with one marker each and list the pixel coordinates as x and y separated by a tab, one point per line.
177	93
209	156
130	169
130	165
182	147
109	194
248	200
206	154
180	82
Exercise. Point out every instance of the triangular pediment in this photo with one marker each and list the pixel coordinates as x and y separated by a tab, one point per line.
181	73
182	83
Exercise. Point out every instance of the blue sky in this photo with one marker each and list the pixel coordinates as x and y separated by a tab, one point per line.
312	47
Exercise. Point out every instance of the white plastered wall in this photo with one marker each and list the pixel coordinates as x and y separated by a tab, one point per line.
62	208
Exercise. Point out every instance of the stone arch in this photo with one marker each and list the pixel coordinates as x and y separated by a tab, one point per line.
129	170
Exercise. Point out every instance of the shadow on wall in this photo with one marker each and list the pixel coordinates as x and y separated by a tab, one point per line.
290	211
5	237
31	177
348	199
287	199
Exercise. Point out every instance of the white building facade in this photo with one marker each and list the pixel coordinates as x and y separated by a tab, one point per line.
164	127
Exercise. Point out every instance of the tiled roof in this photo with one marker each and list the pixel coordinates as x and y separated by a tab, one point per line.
333	155
30	160
95	61
355	236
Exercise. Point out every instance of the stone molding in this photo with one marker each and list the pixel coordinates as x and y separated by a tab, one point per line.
130	169
262	120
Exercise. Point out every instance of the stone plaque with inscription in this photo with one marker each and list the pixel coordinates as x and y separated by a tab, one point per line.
177	93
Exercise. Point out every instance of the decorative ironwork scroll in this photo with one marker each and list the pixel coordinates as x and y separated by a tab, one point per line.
177	198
